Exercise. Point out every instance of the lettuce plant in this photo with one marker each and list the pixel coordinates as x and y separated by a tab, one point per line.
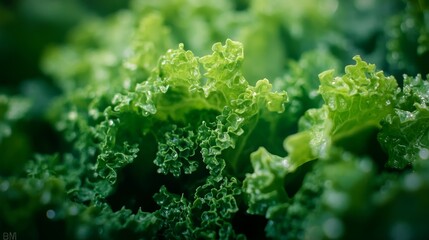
184	119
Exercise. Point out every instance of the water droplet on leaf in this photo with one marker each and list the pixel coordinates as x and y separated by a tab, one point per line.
332	103
401	231
388	102
72	115
342	104
412	182
50	214
46	197
337	200
73	210
333	228
4	186
424	153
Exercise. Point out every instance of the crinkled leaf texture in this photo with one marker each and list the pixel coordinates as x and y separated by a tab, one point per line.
210	110
196	108
354	104
405	132
177	121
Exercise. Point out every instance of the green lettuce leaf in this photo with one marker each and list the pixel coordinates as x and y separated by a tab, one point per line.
180	120
404	135
355	103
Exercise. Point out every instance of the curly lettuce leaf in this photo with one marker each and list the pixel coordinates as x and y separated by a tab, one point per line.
214	203
404	135
301	82
355	103
180	120
205	107
177	89
265	186
157	142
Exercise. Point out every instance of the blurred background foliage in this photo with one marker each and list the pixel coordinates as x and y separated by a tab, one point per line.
27	29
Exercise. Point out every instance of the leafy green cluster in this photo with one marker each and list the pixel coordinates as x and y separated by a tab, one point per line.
399	127
159	137
181	120
362	96
346	191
